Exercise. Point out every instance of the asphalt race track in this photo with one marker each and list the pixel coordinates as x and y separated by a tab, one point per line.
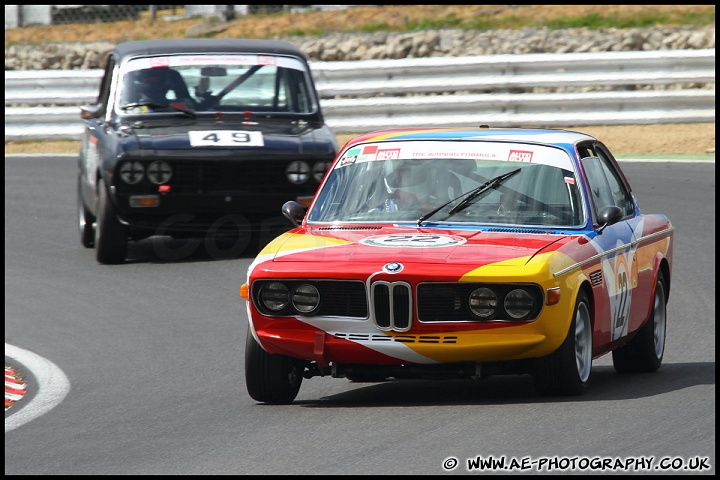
141	366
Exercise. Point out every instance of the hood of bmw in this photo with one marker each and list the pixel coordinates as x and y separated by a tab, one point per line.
335	245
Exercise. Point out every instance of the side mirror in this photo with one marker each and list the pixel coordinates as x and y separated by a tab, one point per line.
609	216
294	212
89	112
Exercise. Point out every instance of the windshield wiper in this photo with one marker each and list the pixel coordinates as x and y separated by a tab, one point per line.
469	196
473	194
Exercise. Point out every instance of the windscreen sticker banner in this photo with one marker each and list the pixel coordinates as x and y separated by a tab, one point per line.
202	60
492	151
226	138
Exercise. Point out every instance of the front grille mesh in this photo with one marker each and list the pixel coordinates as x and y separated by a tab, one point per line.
212	175
439	302
343	299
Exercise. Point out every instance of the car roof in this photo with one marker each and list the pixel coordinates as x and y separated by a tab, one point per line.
206	45
524	135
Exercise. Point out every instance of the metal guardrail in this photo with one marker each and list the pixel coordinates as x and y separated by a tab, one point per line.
365	95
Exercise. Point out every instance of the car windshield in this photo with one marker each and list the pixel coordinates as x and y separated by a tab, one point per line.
453	182
215	83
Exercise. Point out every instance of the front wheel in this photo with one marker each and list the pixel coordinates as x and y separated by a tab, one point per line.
566	371
270	378
644	353
110	235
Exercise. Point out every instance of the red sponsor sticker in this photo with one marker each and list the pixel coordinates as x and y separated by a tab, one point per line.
369	150
388	154
266	60
520	156
570	180
159	62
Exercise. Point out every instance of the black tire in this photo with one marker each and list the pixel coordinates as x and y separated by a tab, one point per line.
270	378
86	220
644	353
110	235
566	371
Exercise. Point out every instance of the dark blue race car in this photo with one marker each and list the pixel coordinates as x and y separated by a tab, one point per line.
198	138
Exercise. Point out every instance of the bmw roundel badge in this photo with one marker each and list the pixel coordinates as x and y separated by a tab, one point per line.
393	267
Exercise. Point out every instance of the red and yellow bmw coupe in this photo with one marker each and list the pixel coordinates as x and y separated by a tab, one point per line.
461	253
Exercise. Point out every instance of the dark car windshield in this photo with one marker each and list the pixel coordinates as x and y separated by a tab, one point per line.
215	83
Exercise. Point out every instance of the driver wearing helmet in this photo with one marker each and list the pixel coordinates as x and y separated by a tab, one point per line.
406	185
158	86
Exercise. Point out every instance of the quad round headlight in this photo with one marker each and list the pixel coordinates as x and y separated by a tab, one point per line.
159	172
319	169
132	172
483	302
298	172
274	296
518	303
305	298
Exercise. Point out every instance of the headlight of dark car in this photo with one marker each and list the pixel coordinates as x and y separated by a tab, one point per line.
132	173
319	169
159	172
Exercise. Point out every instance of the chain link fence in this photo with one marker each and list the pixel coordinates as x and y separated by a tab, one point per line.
27	15
62	14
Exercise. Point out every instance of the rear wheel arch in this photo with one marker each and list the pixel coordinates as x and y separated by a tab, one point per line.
644	352
586	288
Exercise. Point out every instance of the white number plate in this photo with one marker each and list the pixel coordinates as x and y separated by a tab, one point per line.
226	138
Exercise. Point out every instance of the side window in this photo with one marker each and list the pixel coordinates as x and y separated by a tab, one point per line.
281	93
620	194
105	83
598	187
605	186
299	97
